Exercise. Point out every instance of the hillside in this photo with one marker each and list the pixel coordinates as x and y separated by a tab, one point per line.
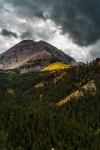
30	118
90	87
30	56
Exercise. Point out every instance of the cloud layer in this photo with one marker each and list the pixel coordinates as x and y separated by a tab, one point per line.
78	21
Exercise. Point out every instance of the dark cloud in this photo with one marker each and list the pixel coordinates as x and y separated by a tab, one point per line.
40	14
94	52
26	35
9	33
80	19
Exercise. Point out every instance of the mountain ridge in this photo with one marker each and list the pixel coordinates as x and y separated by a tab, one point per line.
41	53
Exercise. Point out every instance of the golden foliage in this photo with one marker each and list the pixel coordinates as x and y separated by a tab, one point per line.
56	66
10	91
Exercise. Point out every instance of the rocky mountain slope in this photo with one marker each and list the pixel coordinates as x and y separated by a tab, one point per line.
33	56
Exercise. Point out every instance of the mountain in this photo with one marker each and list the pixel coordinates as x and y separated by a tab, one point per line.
33	56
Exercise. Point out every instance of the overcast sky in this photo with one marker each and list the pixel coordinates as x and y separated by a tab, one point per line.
71	25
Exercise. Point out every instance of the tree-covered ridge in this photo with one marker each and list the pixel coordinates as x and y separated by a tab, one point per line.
31	120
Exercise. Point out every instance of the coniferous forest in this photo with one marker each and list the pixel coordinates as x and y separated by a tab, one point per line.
30	118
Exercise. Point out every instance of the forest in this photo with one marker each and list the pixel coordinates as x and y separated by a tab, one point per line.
31	120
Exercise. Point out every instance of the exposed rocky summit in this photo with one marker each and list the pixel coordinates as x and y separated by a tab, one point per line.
33	56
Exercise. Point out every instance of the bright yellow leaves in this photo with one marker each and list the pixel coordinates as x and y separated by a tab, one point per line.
56	66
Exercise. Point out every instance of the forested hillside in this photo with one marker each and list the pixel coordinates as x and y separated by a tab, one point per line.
30	118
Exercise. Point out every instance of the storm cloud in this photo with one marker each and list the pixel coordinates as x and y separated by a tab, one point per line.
79	19
93	52
40	14
71	25
9	33
27	35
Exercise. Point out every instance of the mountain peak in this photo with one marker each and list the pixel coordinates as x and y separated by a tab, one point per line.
41	54
26	41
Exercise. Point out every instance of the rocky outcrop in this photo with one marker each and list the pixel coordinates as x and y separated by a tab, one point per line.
80	63
32	56
89	87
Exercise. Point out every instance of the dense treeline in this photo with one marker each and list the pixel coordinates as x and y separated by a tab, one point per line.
31	120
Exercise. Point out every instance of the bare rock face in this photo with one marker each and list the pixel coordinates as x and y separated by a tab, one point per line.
32	56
